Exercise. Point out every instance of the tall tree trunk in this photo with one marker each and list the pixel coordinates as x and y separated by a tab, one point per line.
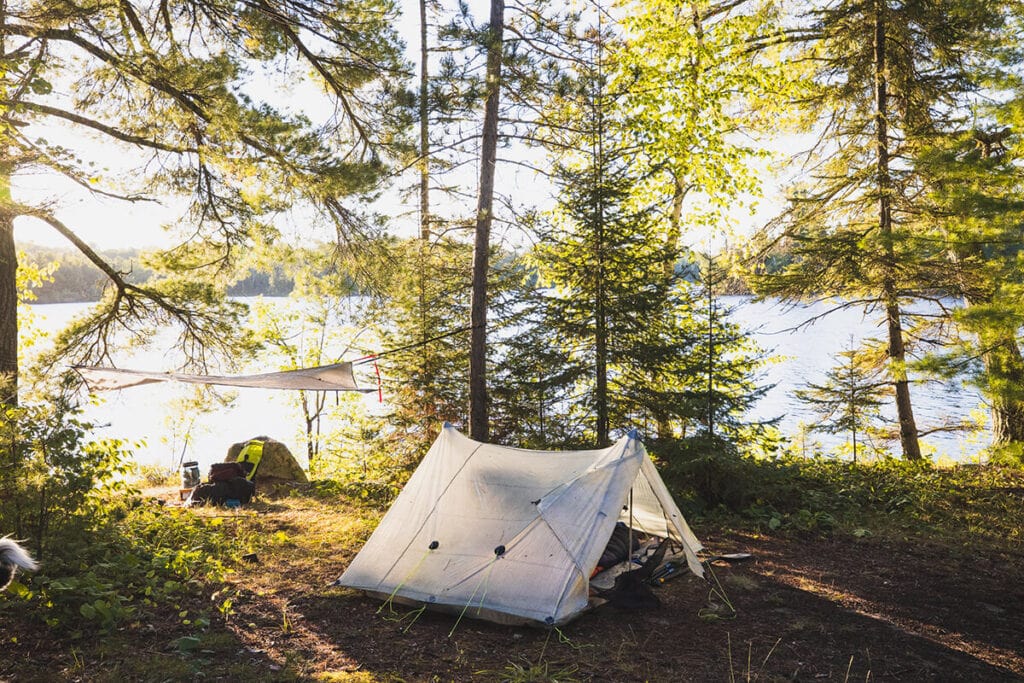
424	167
8	263
897	352
478	418
600	276
8	301
424	127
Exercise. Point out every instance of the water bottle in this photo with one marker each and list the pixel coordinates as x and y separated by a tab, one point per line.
189	474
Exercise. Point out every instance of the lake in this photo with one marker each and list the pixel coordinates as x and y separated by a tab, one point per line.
806	354
166	431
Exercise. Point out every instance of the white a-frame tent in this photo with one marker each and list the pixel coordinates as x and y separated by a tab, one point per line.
513	535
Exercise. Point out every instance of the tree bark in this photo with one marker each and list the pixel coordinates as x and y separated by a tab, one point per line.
897	352
8	304
8	264
478	408
424	127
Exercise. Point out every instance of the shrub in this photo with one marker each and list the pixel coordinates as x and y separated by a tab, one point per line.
710	470
106	555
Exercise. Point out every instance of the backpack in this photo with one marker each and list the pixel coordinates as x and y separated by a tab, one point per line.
219	492
250	457
223	471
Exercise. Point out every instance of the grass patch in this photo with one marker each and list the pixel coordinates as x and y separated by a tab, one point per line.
960	504
249	597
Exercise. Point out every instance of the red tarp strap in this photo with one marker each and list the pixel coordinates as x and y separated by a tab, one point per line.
380	389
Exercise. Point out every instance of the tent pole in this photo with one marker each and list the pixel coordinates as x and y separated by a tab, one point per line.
629	542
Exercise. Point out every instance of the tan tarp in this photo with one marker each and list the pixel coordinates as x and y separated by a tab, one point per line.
336	377
278	463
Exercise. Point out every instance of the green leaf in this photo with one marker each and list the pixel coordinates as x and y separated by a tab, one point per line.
40	86
187	643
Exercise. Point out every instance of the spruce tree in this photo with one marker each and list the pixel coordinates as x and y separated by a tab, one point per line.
850	398
887	78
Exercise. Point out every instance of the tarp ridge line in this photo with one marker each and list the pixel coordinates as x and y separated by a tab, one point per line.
374	356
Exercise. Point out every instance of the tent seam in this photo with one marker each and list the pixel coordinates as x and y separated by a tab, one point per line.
432	510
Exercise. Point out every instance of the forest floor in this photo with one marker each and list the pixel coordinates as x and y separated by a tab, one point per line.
839	607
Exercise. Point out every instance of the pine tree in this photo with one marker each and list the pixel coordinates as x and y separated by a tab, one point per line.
171	85
851	398
887	78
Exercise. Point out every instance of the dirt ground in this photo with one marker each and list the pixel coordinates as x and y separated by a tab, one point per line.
806	609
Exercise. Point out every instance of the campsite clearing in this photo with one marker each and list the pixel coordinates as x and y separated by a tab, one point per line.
808	607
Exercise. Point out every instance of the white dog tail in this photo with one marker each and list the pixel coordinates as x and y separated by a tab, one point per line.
12	553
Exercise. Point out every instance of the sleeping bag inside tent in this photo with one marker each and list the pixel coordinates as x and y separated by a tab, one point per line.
513	535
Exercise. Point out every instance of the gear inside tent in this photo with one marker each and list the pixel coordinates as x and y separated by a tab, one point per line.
514	535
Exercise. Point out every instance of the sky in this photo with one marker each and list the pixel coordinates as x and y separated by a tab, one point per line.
107	223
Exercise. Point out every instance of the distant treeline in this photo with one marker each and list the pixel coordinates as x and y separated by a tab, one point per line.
78	280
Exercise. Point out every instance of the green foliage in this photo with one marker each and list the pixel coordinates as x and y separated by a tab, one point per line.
713	473
137	557
105	554
690	84
825	495
368	471
330	489
51	474
155	475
